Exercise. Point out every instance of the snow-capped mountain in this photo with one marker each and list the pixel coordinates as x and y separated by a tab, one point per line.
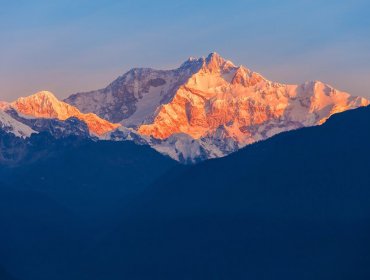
209	107
134	97
44	105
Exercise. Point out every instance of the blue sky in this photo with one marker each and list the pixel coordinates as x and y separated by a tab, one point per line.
70	46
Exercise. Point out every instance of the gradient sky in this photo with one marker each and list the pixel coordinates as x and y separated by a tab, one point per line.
78	45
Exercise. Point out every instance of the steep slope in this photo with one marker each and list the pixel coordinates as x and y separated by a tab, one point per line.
295	206
209	107
11	125
45	105
135	96
222	100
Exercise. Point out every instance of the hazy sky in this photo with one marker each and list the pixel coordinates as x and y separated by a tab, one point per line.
77	45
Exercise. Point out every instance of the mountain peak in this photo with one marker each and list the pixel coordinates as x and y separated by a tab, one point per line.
222	106
213	62
215	55
41	99
44	94
44	104
192	62
216	62
40	104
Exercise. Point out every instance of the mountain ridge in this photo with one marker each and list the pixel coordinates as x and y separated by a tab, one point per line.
44	104
206	108
219	105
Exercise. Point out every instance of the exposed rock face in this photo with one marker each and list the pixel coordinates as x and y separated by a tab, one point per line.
134	97
45	105
220	106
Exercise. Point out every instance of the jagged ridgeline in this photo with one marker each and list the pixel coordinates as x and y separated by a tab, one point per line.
206	108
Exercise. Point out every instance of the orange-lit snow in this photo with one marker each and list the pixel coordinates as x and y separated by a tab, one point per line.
246	105
45	105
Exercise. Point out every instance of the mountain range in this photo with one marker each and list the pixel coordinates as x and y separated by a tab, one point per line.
104	185
207	108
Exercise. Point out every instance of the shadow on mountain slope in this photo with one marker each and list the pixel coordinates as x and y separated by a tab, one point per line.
4	275
296	206
53	208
